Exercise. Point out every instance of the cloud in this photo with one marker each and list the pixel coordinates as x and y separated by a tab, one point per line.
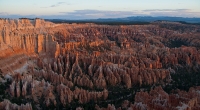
61	2
93	14
58	4
15	16
164	10
3	13
53	5
172	12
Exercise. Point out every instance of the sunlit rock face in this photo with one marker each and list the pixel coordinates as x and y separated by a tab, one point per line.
61	65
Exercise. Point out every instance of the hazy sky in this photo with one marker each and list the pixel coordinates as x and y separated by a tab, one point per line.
83	9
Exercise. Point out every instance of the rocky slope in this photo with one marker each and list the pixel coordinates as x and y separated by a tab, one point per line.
158	99
7	105
63	65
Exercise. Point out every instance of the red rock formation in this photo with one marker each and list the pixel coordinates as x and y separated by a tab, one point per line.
7	105
69	57
157	99
66	95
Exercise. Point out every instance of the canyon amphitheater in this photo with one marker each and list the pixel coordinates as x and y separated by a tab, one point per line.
84	66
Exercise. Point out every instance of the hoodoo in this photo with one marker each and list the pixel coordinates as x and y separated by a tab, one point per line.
45	65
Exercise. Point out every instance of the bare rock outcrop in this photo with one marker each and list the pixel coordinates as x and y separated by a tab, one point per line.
7	105
61	64
83	96
158	99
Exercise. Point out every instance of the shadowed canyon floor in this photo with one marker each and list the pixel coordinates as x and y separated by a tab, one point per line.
105	67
